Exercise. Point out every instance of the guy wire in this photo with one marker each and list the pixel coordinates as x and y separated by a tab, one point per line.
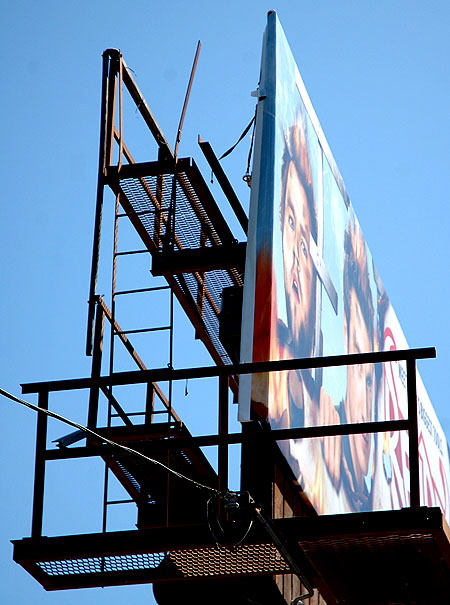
88	431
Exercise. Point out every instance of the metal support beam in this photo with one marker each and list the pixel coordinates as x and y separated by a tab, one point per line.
165	374
223	433
190	260
96	365
261	437
39	468
104	159
224	183
413	433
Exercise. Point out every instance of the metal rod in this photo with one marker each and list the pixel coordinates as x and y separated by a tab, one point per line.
414	477
113	403
106	125
285	552
128	414
125	341
223	432
128	252
140	290
248	438
149	403
119	163
224	183
145	111
143	212
165	374
138	331
186	98
129	347
96	367
39	467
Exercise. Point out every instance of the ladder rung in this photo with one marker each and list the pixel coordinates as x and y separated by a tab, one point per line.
142	330
120	502
131	252
143	212
129	414
160	412
139	290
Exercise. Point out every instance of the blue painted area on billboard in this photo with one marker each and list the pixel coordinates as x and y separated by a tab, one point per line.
311	288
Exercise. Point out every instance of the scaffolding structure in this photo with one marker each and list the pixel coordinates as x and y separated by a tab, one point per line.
265	544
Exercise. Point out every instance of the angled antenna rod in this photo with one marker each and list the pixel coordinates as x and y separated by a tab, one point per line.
186	99
171	217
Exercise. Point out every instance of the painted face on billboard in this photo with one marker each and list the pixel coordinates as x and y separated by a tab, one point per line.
359	330
298	265
298	222
360	379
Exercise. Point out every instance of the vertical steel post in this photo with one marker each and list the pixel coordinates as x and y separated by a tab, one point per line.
223	432
413	433
39	467
149	403
110	66
96	366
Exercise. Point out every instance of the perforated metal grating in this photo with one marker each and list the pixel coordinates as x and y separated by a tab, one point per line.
192	563
150	197
365	543
381	558
249	559
68	567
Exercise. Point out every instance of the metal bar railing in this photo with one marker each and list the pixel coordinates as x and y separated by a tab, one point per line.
223	439
165	374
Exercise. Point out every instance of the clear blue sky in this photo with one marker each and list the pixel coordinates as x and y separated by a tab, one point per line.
378	77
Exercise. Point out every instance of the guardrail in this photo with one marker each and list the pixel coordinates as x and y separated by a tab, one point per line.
223	438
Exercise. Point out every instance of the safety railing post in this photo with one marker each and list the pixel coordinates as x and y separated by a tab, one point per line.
413	432
223	432
39	467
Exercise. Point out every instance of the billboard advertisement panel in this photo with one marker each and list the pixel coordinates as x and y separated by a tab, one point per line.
311	289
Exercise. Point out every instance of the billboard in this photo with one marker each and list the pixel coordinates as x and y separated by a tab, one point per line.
311	289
